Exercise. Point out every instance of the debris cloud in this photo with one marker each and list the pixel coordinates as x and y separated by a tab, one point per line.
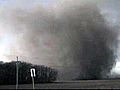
72	37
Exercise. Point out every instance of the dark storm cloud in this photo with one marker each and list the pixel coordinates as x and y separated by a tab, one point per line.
92	42
71	37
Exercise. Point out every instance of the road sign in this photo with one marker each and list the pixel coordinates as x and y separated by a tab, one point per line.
32	70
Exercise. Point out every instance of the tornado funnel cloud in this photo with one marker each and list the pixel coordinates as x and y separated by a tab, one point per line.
73	38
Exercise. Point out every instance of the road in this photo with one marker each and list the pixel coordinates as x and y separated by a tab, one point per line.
86	84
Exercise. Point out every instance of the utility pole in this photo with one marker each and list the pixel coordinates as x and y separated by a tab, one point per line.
17	73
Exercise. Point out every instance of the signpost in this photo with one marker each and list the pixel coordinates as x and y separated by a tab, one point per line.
32	70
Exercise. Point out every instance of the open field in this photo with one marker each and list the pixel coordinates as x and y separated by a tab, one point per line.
86	84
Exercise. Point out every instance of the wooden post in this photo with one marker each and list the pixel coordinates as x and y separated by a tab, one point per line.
17	74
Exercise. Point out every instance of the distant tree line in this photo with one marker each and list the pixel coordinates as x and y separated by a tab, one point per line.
44	74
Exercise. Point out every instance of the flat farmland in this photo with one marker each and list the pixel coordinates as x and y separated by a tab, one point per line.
83	84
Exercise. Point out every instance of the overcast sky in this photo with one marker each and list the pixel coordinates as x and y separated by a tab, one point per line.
109	7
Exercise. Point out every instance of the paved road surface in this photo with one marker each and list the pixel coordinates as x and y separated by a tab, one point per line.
87	84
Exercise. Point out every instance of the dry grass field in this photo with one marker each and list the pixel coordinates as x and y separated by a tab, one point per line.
83	84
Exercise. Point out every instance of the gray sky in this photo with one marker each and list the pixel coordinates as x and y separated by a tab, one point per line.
109	7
